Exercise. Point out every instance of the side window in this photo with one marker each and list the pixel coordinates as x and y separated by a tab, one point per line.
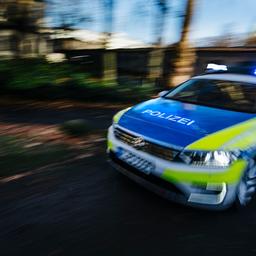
212	91
197	90
217	93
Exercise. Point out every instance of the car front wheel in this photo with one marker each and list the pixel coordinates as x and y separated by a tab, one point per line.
247	186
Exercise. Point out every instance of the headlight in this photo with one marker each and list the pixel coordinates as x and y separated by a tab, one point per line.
208	158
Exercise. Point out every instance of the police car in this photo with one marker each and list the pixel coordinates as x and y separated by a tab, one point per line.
195	144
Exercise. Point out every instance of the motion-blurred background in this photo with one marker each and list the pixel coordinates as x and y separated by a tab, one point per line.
113	45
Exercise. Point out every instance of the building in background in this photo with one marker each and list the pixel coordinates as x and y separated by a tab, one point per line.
22	30
78	39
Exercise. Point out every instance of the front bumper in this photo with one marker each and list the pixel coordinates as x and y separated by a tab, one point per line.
194	186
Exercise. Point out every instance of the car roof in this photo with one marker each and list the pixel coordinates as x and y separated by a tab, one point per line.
229	77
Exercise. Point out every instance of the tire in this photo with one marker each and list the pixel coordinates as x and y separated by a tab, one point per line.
247	186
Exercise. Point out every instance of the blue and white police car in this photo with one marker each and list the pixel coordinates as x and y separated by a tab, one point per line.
195	144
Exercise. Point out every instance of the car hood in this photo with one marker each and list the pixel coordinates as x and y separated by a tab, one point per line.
177	123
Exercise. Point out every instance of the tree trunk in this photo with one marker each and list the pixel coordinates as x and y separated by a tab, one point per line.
183	65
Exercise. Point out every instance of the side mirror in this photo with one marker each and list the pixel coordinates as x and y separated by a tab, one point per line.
162	93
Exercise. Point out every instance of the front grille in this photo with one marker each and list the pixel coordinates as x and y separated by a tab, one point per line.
146	146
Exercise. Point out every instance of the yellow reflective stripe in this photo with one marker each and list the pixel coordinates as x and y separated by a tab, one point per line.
110	144
231	175
119	114
218	139
243	141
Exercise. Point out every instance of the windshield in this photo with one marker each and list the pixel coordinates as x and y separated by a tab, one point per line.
236	96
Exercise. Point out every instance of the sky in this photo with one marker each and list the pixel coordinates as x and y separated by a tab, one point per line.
211	18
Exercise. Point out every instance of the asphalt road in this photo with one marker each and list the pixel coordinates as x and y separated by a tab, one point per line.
87	208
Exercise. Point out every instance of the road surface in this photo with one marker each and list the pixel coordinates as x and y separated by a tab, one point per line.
87	208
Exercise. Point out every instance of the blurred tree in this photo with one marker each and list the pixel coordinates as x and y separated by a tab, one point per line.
68	14
22	15
156	56
108	15
160	19
109	57
20	22
226	37
185	53
250	40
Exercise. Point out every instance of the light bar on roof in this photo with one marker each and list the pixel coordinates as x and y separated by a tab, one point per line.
217	67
